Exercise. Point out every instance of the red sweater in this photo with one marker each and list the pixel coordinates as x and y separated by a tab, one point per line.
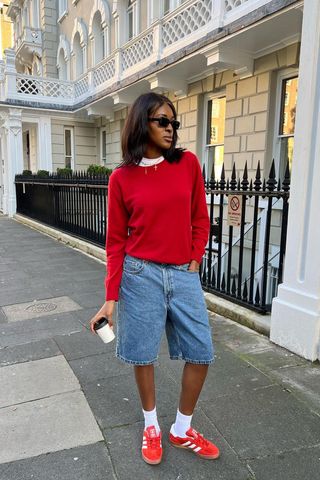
160	216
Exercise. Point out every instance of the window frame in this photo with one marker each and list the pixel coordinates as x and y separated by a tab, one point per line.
207	147
62	10
72	161
282	75
103	131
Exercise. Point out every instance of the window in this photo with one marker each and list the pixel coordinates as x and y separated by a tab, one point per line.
62	7
98	38
284	142
166	7
78	56
130	17
68	147
103	147
215	118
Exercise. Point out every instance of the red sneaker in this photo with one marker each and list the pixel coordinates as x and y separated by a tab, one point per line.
197	443
151	446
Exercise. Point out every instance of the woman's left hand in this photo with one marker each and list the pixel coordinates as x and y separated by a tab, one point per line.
194	266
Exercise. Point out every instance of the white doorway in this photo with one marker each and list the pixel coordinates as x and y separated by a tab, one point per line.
30	147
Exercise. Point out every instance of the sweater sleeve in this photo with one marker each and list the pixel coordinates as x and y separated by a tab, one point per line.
200	220
116	238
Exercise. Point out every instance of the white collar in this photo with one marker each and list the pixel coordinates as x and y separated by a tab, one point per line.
145	162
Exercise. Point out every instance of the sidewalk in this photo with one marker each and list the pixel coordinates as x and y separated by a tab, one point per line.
69	409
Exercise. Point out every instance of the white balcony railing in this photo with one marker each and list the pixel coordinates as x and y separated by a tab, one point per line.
189	22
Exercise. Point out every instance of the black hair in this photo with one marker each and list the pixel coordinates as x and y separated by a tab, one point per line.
134	138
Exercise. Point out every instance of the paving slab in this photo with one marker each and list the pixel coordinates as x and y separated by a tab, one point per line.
115	401
263	422
83	344
176	463
18	333
37	309
55	423
27	352
28	381
98	367
304	381
272	358
91	462
300	464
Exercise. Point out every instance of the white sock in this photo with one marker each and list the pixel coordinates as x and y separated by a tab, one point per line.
181	425
150	418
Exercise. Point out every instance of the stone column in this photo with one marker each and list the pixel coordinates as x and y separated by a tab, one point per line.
295	321
13	156
44	144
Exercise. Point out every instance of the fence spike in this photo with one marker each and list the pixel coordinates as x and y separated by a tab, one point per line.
228	184
264	185
257	182
223	283
238	184
257	296
204	172
245	291
233	182
251	186
213	279
286	180
222	182
245	182
233	287
272	182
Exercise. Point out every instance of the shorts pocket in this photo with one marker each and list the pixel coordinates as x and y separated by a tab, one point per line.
133	265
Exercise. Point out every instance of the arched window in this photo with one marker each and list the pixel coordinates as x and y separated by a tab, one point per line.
98	38
63	58
62	65
99	31
78	56
133	18
79	48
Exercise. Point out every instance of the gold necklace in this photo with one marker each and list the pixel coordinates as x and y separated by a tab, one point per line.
146	168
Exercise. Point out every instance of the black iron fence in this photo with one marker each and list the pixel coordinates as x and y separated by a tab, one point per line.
245	252
75	203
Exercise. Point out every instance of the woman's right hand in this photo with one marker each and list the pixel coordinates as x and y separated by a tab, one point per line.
105	311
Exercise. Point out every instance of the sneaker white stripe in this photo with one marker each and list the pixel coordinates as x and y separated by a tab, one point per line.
197	449
192	446
144	446
186	444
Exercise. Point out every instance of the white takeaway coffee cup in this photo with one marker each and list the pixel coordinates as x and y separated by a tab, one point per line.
104	330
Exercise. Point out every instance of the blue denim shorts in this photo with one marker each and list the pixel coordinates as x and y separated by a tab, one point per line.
157	297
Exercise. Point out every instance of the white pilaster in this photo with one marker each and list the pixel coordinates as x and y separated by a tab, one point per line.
44	144
295	321
13	157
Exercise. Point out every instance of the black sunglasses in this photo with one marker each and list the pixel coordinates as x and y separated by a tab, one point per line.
164	122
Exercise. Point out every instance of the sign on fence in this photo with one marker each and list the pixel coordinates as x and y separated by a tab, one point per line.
234	210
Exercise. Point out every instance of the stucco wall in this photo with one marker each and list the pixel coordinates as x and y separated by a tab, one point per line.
85	143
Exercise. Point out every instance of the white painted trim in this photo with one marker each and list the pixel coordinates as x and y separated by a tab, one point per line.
71	128
282	75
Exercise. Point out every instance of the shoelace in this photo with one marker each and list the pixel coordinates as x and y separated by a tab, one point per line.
203	442
153	442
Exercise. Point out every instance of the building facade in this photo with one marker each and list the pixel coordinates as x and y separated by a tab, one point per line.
6	29
231	67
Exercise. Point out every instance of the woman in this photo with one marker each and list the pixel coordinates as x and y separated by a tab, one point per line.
158	227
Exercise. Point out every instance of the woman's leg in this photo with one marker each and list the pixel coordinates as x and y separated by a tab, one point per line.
193	378
144	375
